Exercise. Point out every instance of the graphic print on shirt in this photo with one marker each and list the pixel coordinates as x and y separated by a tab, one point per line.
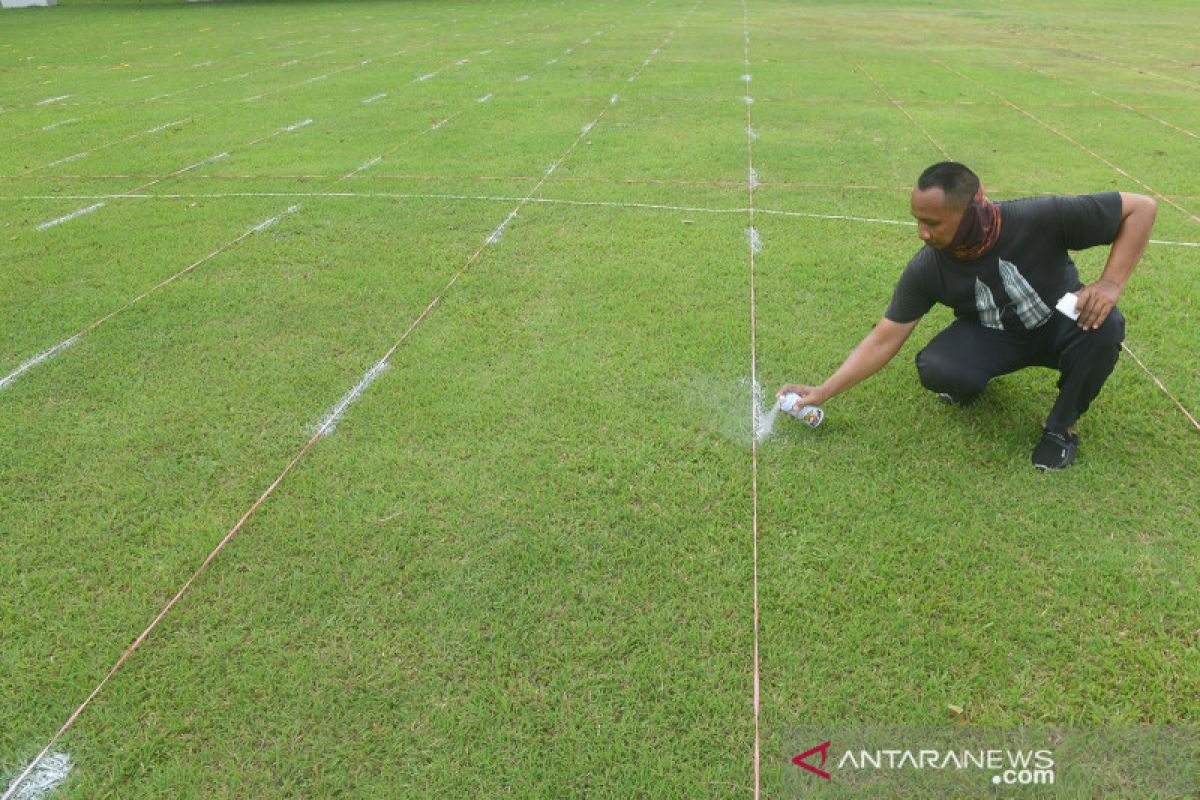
1030	308
1021	298
985	304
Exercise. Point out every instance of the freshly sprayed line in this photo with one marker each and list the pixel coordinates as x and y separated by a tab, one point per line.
612	101
57	124
586	129
41	358
365	166
462	61
551	62
190	167
427	76
38	359
69	217
143	78
755	246
484	52
1175	244
41	777
262	226
553	166
751	133
747	78
50	100
168	125
522	78
331	419
202	64
485	98
496	234
68	158
375	97
297	126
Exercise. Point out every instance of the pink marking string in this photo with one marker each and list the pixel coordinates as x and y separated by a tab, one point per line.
1159	383
1081	146
10	793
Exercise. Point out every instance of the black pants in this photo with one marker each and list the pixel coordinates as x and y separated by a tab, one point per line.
965	356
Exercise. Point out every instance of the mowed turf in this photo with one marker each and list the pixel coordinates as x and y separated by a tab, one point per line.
522	562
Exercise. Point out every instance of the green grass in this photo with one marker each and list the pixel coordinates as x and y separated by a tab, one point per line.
522	563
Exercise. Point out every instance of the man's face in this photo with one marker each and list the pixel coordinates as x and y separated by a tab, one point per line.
936	222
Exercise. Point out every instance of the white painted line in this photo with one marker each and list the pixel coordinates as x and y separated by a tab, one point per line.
646	63
69	217
64	122
587	41
50	100
290	63
331	419
522	78
314	79
753	178
484	52
748	100
836	217
755	241
551	62
746	78
586	129
252	98
1175	244
427	76
168	125
40	778
366	165
208	160
612	101
262	226
461	62
485	98
496	234
38	359
511	41
65	160
295	127
567	51
439	124
139	80
202	64
375	97
632	78
751	133
553	166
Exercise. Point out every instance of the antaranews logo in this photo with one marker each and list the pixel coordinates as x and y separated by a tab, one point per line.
1010	767
823	749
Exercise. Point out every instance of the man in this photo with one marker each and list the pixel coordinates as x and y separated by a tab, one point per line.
1003	267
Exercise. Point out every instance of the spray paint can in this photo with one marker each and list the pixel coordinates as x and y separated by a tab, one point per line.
809	415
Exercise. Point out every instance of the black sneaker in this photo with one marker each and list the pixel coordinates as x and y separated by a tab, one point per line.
1055	450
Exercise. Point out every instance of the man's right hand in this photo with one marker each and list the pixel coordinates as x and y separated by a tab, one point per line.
809	395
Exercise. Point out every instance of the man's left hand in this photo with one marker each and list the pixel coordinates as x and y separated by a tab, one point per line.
1094	301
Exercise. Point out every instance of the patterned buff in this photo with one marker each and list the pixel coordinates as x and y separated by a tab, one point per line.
979	229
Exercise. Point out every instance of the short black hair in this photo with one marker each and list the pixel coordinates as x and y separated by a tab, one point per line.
956	181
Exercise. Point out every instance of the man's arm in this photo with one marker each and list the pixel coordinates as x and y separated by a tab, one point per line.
873	352
1096	300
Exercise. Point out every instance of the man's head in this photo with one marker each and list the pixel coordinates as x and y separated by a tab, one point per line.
941	195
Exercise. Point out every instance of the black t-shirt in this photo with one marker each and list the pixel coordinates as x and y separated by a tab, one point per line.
1014	285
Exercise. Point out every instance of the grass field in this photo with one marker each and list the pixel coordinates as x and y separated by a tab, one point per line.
496	340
